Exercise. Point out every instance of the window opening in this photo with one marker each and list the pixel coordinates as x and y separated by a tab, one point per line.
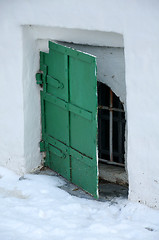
111	127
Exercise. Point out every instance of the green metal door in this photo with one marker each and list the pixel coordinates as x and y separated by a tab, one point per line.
69	114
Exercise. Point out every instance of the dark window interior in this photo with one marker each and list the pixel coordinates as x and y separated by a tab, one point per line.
111	126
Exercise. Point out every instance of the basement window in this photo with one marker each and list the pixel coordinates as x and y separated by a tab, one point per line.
111	127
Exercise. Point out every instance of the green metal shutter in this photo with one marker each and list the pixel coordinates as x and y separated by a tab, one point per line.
69	115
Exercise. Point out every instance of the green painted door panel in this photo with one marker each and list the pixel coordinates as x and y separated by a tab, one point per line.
85	176
83	93
82	82
57	76
58	160
82	138
69	115
57	127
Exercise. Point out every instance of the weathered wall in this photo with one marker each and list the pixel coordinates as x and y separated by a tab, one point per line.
72	21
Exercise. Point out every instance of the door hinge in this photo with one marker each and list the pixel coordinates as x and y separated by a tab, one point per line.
42	146
39	78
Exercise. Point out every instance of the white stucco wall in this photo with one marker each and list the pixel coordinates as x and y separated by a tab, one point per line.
93	22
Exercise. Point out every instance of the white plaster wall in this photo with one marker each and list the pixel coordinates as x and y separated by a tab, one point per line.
72	20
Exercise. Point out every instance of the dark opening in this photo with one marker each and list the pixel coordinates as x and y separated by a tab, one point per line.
111	126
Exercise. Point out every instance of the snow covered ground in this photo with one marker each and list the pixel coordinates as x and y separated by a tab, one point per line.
35	207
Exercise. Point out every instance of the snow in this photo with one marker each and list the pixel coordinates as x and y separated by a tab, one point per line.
35	207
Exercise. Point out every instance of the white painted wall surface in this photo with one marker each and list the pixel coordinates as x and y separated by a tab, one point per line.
93	22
